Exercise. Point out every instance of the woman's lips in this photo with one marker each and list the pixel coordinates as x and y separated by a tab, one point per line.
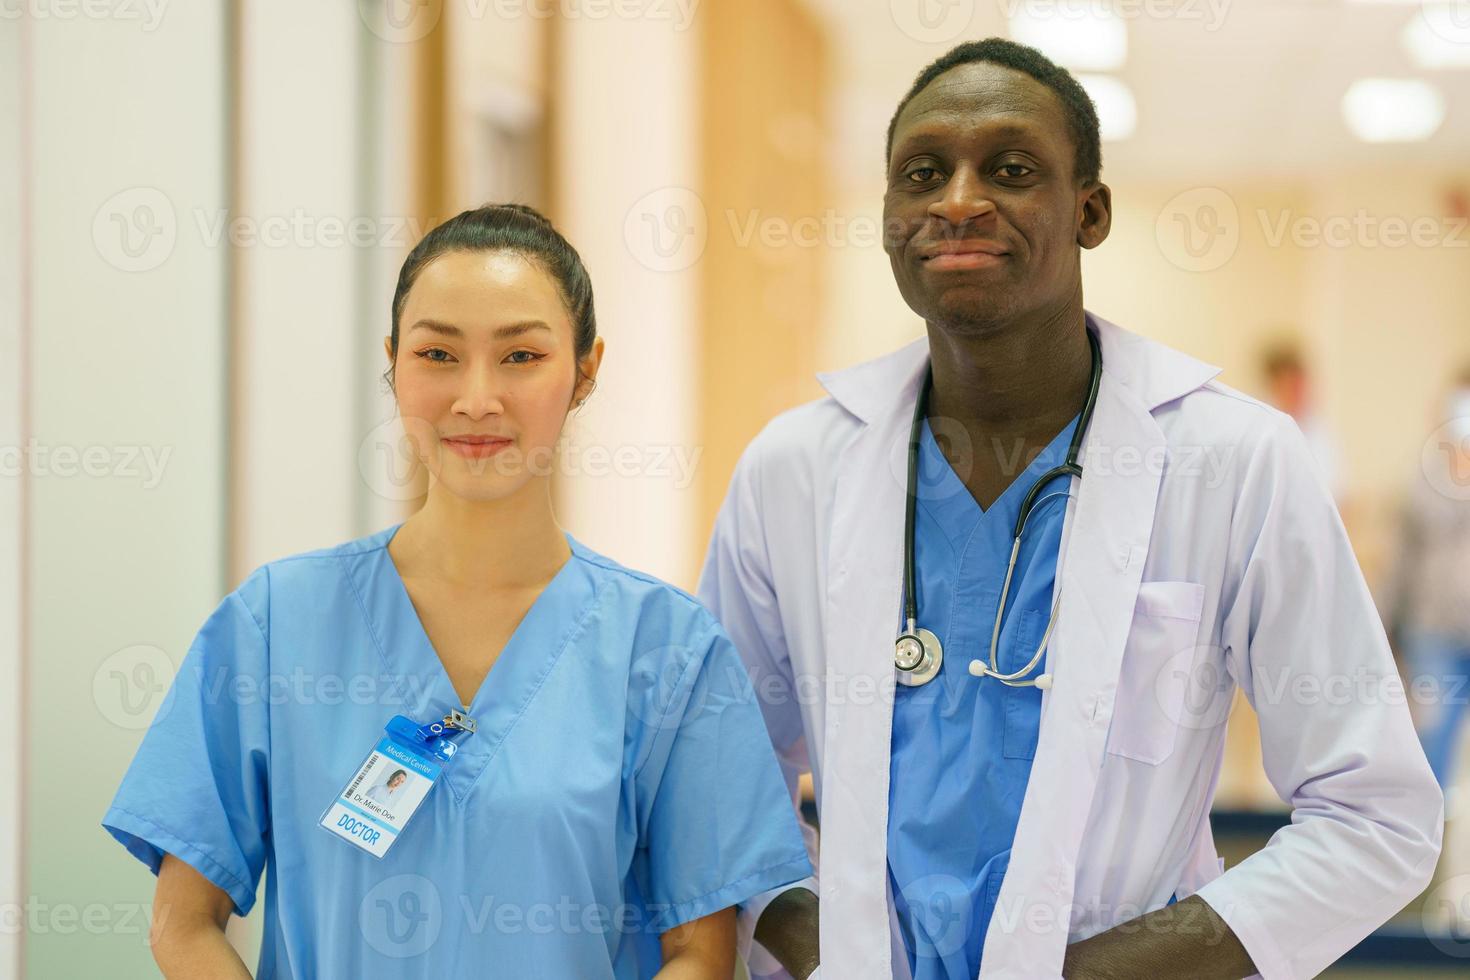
477	447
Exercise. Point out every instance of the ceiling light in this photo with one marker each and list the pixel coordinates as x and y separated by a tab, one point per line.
1392	110
1439	37
1084	36
1117	112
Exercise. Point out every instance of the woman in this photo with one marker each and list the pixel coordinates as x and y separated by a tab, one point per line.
386	792
618	793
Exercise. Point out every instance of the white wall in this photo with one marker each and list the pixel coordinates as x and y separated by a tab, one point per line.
128	350
13	487
300	328
385	99
607	200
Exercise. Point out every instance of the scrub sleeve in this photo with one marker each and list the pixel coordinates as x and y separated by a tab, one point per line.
196	788
715	825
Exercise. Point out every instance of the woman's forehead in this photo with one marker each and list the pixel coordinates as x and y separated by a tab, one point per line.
479	292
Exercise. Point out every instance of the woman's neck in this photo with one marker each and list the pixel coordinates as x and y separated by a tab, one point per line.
507	543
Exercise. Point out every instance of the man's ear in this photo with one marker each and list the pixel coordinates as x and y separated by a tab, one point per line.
1094	215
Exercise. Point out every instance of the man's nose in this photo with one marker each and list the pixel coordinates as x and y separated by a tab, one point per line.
965	198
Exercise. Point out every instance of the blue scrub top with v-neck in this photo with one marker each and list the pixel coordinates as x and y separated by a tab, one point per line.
621	780
962	745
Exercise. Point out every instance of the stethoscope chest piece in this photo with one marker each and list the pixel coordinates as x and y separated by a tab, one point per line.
916	654
918	657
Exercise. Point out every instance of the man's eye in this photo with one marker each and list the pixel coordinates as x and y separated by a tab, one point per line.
1014	170
921	175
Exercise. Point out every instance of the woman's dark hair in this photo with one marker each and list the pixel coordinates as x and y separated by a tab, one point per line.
515	228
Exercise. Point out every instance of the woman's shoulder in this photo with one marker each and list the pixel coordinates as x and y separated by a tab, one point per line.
646	592
365	545
304	570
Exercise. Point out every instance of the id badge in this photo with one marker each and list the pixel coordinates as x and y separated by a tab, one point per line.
392	782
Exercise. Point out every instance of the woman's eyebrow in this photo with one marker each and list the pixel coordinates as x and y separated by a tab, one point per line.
435	326
508	330
516	329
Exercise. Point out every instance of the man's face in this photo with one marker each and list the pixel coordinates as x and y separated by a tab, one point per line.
983	213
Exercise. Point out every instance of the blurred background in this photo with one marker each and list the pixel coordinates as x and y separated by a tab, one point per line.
203	207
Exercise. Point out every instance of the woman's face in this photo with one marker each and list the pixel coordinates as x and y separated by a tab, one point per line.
486	371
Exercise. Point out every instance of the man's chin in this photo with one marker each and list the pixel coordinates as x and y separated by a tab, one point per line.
968	310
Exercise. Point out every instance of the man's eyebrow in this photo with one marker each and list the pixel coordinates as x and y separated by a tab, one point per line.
508	330
921	134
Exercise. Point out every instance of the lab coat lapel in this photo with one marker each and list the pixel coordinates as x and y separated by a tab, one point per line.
865	572
1105	541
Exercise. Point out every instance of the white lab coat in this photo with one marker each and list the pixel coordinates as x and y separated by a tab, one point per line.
1200	553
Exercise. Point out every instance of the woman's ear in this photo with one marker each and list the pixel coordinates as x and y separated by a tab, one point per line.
392	363
587	368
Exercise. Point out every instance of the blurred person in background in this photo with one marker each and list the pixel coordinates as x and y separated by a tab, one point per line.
1289	388
1425	595
612	785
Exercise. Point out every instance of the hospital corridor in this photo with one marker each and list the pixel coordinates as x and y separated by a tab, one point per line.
910	489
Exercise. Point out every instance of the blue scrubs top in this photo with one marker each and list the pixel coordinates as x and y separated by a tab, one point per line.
621	780
962	746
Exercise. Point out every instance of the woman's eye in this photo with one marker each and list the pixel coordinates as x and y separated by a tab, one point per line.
435	355
523	356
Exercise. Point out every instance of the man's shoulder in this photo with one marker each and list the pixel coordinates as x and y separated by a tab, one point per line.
1232	435
1219	414
819	429
803	432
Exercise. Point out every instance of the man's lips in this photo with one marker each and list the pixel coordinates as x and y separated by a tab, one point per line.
972	254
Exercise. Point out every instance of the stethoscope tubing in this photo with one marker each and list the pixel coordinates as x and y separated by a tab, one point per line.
1070	468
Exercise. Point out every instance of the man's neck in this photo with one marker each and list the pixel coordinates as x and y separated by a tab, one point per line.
1021	377
1002	392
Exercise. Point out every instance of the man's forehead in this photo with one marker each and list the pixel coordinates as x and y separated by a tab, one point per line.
983	93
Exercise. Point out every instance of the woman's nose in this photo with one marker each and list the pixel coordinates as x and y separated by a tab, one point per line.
480	396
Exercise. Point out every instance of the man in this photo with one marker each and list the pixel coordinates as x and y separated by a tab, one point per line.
1040	807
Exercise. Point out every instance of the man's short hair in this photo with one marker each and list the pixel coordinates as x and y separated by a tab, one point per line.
1081	113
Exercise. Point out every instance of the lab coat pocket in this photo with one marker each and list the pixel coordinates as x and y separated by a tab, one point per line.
1146	710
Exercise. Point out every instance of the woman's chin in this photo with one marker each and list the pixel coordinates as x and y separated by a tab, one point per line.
481	487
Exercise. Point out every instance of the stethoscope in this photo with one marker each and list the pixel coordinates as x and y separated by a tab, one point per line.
917	653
